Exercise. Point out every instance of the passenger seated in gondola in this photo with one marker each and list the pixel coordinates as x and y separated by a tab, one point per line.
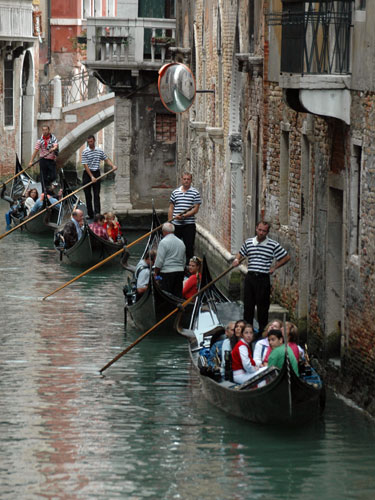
98	228
51	198
238	329
292	333
31	197
192	284
226	347
72	231
261	347
17	209
243	364
143	271
112	226
277	355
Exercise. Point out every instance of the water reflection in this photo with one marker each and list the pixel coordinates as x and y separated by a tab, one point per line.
143	430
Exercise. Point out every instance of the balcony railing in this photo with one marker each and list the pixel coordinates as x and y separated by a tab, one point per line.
16	20
315	36
129	42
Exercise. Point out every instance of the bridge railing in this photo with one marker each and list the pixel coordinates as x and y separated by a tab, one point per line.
78	88
129	43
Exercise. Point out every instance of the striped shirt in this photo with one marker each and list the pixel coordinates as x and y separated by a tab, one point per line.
44	145
92	157
261	255
183	200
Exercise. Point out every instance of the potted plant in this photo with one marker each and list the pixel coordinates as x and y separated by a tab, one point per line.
162	40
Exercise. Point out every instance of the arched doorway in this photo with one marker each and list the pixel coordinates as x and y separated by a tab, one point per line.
27	112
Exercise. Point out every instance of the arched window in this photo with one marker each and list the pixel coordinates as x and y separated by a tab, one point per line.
8	92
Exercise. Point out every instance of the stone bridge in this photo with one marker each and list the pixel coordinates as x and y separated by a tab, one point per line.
71	124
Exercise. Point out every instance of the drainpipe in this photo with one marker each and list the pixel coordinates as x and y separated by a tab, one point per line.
46	66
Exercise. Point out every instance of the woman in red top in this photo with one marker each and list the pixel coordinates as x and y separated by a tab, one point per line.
243	365
112	227
192	283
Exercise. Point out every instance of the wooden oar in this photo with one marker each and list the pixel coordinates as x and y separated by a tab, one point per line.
119	252
21	172
187	301
52	205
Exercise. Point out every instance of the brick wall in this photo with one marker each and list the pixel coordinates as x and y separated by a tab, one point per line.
310	197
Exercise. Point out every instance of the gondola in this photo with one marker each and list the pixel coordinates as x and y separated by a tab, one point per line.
89	249
155	303
271	397
50	220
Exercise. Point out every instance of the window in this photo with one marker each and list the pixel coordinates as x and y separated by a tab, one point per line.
110	9
93	8
86	9
8	93
251	26
97	8
284	178
166	128
361	4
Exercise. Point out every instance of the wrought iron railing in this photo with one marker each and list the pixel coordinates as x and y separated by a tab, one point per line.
78	88
315	36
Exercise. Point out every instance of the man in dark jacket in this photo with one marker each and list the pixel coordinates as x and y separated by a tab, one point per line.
72	231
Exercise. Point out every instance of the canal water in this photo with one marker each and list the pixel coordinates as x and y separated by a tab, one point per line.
143	431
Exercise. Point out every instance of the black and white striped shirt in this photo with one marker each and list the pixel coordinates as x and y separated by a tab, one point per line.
183	200
261	255
92	157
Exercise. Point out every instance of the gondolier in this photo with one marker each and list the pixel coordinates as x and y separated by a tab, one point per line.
261	251
91	158
184	198
47	147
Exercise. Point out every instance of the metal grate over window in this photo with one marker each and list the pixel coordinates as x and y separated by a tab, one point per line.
315	36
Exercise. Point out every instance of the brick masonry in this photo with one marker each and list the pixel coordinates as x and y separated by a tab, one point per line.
335	282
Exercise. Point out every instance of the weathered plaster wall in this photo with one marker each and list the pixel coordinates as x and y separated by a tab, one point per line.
145	144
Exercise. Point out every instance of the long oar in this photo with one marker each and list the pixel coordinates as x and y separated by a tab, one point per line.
21	172
119	252
187	301
52	205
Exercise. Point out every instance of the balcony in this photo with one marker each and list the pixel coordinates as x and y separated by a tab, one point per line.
315	55
16	22
129	44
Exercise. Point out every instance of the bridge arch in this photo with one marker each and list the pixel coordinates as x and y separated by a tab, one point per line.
74	139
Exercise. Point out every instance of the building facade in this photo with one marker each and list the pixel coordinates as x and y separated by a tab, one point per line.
18	81
287	136
126	54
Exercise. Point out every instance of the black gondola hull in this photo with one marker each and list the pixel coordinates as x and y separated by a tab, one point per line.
274	403
153	306
90	249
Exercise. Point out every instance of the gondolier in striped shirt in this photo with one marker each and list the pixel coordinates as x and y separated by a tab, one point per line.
261	252
91	158
184	198
48	148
